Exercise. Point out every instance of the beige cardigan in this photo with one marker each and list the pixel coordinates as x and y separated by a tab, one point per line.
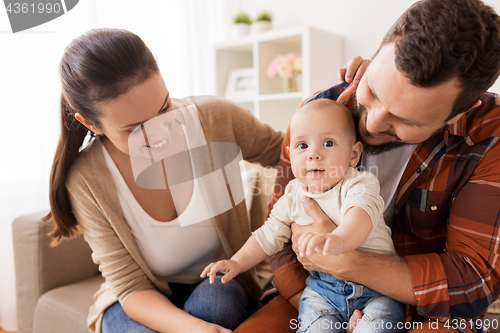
96	206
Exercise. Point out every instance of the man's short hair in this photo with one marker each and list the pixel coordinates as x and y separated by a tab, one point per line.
438	40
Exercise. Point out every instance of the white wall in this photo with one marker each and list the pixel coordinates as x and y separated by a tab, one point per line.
362	23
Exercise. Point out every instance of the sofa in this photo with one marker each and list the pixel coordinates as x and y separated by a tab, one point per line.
55	286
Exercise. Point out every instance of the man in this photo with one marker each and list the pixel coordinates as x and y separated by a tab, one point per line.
430	134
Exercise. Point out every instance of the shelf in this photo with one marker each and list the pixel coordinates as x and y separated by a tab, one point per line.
245	42
321	53
241	45
281	96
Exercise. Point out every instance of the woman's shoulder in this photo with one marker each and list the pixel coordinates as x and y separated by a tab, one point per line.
205	101
210	106
217	114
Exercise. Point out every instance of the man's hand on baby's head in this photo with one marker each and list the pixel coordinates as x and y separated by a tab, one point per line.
323	243
353	71
230	268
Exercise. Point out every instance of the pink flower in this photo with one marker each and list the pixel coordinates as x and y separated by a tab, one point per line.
285	66
272	70
290	58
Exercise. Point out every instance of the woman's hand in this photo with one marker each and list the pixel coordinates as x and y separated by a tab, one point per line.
205	327
354	70
230	268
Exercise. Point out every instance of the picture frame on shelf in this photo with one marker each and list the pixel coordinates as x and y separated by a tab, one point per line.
240	83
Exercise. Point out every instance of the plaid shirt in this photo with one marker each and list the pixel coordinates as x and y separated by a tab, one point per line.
446	224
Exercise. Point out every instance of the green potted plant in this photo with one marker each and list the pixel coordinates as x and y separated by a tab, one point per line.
263	22
241	24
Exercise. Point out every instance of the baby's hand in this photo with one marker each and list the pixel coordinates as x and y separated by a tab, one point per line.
230	268
327	244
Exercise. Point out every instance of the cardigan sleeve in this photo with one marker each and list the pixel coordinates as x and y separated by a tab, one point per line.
258	141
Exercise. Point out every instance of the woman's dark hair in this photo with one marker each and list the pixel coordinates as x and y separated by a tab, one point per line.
96	67
438	40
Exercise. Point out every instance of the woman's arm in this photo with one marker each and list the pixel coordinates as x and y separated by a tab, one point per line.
258	141
247	257
129	283
150	308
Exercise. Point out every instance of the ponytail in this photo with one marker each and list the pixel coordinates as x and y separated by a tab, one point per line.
96	67
73	134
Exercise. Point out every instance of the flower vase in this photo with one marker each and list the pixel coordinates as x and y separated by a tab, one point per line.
290	85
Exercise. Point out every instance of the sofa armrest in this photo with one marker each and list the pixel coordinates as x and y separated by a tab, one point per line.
40	268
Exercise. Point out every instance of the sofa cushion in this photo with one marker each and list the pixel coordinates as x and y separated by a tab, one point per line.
68	306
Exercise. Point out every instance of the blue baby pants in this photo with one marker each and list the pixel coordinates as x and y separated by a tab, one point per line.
327	303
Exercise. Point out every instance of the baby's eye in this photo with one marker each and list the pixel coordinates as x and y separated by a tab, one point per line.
302	146
328	143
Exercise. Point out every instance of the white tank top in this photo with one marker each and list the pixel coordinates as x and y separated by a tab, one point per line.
177	254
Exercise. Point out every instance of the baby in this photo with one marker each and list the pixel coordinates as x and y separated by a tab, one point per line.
323	154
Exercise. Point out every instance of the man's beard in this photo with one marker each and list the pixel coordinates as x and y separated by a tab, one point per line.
367	148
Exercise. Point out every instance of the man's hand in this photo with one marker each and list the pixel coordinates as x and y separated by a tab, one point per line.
333	265
322	223
354	70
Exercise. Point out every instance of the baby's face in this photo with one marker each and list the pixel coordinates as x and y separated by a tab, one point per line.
322	146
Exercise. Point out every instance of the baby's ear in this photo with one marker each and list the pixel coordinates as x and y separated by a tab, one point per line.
288	150
356	150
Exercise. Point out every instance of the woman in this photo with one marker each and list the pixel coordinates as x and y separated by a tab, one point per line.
111	86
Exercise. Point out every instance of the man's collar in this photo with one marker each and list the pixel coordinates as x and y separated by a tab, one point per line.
459	128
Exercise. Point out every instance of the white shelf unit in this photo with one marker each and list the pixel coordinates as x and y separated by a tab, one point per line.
321	53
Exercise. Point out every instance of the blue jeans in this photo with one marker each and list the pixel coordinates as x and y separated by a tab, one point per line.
226	305
327	303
